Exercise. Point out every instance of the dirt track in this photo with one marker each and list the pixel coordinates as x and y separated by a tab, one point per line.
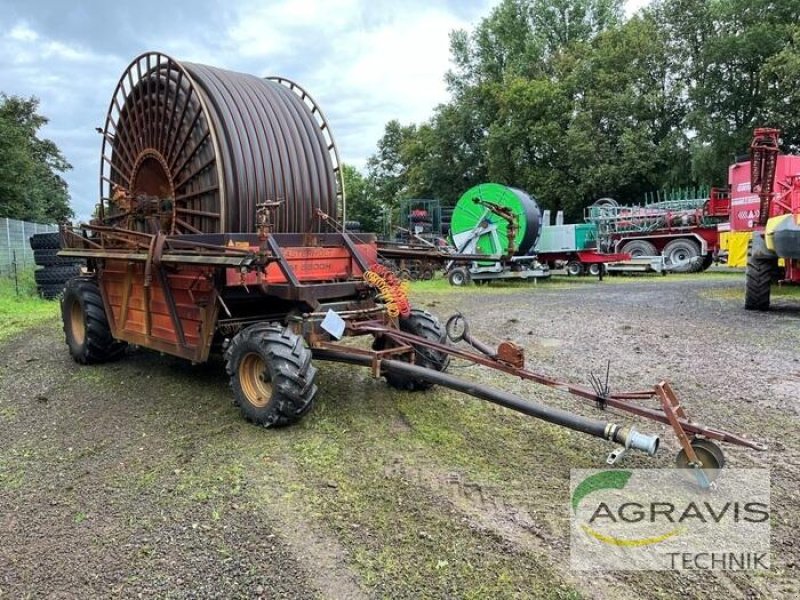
140	479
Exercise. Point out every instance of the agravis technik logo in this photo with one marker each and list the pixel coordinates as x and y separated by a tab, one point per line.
659	519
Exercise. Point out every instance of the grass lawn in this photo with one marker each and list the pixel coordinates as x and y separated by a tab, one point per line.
20	307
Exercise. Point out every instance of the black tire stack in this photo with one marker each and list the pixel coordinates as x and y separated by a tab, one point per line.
55	270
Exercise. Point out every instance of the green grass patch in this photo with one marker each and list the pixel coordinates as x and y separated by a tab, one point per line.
20	307
560	281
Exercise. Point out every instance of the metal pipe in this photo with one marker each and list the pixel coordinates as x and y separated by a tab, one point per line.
629	438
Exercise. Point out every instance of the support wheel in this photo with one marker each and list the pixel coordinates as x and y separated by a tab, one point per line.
708	453
271	375
682	255
86	328
425	325
458	277
759	276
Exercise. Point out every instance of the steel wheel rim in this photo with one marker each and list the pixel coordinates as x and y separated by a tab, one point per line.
77	322
254	380
711	463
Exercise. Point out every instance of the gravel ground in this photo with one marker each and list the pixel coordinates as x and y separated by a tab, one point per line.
139	479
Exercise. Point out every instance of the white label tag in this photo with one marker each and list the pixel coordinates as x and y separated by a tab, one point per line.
333	324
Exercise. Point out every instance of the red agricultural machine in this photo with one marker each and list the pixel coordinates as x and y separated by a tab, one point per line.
216	234
681	227
767	201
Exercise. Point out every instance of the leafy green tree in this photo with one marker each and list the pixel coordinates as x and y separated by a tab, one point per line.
31	186
362	206
728	50
569	101
388	167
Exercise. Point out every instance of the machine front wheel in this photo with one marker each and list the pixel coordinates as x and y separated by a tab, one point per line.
424	325
272	377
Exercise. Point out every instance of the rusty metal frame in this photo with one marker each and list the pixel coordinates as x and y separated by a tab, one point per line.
670	413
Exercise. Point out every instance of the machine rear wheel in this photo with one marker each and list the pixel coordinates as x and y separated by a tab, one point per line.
86	328
681	254
271	375
638	248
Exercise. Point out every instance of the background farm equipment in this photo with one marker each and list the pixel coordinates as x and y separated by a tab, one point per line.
500	226
681	226
766	207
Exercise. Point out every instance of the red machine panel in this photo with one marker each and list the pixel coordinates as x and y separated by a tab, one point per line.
744	203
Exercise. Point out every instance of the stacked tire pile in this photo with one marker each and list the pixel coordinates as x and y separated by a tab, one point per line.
54	271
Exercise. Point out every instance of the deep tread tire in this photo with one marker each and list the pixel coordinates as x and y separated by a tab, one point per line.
425	325
758	282
47	257
681	254
288	374
40	241
59	274
86	327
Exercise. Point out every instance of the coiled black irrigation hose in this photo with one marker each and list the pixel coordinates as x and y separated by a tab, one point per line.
213	144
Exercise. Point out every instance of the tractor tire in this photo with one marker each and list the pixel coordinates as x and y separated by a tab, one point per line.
758	282
459	277
47	257
271	375
50	291
425	325
42	241
681	254
58	274
637	248
574	268
86	325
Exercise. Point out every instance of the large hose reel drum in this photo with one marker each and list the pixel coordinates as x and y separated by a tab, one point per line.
473	220
206	146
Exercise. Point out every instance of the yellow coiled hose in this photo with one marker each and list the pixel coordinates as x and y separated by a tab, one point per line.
391	290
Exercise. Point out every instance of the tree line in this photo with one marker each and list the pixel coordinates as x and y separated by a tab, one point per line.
31	185
571	102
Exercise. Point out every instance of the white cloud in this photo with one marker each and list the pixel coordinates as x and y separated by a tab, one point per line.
365	62
23	33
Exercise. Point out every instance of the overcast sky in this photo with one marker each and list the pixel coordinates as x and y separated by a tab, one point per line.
364	61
